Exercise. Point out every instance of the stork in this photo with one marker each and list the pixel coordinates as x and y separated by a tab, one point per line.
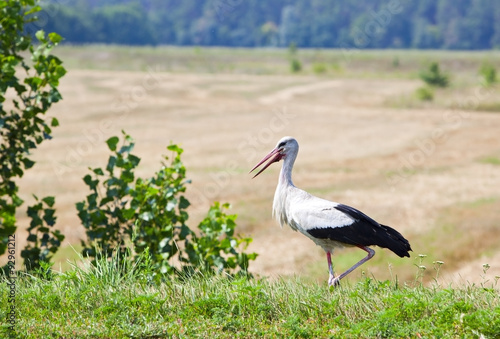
329	224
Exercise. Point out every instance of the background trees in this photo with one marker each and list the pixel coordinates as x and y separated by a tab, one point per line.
464	24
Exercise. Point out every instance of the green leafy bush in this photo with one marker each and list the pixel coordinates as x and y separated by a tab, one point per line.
395	62
22	127
319	68
489	74
204	250
295	65
425	94
150	215
434	77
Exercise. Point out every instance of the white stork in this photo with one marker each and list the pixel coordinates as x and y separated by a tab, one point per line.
329	224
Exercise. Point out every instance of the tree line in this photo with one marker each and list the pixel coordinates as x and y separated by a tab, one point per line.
436	24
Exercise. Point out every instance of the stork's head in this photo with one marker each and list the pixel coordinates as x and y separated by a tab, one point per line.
287	146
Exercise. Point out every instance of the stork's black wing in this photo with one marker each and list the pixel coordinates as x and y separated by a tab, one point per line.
363	231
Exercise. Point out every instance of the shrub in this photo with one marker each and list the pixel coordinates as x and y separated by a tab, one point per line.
319	68
150	215
336	67
425	94
489	74
434	77
295	65
22	127
395	62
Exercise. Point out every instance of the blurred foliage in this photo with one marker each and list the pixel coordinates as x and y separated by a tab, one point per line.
489	74
433	76
425	94
150	215
319	68
449	24
295	65
22	125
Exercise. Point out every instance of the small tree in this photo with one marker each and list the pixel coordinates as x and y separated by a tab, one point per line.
22	127
434	77
295	64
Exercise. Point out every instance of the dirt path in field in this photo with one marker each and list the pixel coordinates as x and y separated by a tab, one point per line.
404	167
289	93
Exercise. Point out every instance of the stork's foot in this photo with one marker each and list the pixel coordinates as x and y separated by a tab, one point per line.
335	282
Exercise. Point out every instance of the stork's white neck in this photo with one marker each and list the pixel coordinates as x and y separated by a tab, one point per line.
286	170
285	185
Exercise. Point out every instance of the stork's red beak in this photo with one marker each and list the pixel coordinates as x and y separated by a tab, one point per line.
275	156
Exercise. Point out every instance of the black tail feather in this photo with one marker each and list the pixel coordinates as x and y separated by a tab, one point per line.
395	242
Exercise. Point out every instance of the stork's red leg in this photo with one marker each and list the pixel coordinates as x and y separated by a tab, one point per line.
330	268
371	253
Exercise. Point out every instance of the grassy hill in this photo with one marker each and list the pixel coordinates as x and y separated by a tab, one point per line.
113	301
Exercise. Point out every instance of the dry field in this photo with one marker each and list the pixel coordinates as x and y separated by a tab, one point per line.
430	170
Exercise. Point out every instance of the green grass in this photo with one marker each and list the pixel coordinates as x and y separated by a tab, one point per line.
489	107
492	160
118	301
354	63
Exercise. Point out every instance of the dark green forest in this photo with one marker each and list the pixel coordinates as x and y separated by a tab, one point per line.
424	24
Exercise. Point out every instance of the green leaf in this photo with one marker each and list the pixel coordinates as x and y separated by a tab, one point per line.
49	201
171	205
146	216
134	160
80	206
33	10
126	148
40	35
28	163
58	235
112	142
128	213
175	148
91	183
127	176
185	231
55	38
106	200
111	164
183	203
